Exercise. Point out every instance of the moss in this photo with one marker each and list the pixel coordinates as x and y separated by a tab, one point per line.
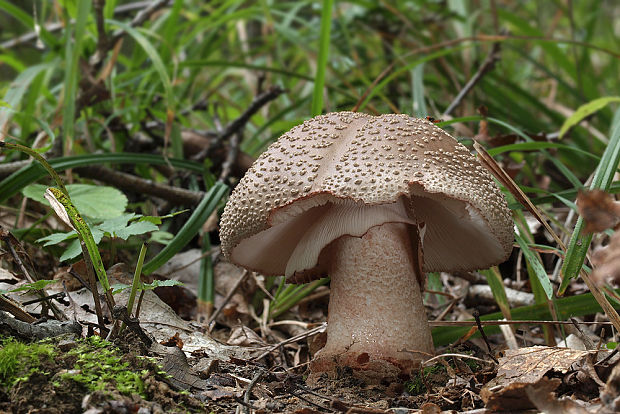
99	365
18	361
417	384
93	363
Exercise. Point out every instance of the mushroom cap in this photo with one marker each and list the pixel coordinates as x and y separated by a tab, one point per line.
345	172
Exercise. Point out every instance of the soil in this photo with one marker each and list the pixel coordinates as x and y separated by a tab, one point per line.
47	391
224	390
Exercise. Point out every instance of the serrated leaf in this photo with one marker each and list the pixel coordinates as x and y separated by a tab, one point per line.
56	238
73	250
586	110
38	285
97	202
134	229
158	219
113	225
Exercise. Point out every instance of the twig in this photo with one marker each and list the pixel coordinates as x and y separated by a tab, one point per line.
487	65
374	83
129	182
10	167
133	324
15	308
142	16
92	283
582	335
58	295
57	26
43	330
8	239
71	301
228	296
337	404
608	357
231	157
248	391
238	124
513	322
476	315
429	362
488	162
301	397
102	37
311	332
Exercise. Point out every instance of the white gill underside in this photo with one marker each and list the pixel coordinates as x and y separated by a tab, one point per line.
455	236
343	219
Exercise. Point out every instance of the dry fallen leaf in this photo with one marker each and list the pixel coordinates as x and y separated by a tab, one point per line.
243	336
599	210
610	396
547	402
600	213
526	367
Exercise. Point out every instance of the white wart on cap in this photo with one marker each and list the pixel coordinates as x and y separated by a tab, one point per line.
343	173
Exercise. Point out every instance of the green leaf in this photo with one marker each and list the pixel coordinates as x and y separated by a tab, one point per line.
56	238
75	35
151	51
118	287
190	228
161	237
539	270
417	88
161	283
31	173
115	224
579	305
494	279
158	219
96	202
38	285
579	242
73	250
134	229
586	110
17	89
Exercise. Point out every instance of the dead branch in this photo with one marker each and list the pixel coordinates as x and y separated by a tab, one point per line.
487	66
238	124
129	182
43	330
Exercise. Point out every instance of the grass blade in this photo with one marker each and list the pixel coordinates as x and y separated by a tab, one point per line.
321	65
586	110
571	306
73	50
33	172
538	268
579	242
190	228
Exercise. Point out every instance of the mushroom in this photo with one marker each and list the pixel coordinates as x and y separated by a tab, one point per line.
373	202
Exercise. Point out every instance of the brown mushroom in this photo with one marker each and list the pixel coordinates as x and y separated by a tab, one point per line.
373	202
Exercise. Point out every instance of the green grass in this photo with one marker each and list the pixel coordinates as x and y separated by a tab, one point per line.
197	66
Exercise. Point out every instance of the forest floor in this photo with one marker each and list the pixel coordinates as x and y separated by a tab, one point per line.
235	369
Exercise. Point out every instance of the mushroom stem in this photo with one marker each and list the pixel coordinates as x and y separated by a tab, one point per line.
376	314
